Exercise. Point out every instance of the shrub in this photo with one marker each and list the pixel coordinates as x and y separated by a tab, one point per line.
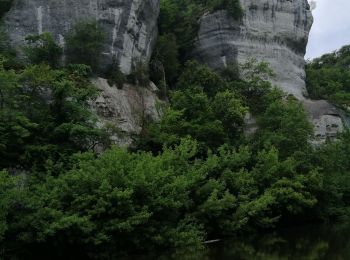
233	7
140	74
43	49
165	61
196	74
115	76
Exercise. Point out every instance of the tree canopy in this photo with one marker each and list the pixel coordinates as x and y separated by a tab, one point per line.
193	175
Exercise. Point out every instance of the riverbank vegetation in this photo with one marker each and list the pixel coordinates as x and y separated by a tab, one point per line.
194	175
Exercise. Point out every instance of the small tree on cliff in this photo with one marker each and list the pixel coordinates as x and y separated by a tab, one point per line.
42	48
85	43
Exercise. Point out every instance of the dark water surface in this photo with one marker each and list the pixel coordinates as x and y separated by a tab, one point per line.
308	242
314	242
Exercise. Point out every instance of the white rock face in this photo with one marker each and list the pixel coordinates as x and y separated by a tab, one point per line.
130	25
275	31
125	111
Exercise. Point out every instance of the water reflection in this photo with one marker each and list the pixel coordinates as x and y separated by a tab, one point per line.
303	243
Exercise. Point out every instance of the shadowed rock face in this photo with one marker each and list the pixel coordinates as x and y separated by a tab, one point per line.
275	31
125	111
130	25
327	120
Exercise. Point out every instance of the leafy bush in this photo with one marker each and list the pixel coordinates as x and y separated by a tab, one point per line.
201	76
43	49
58	122
140	74
285	125
204	107
115	76
104	203
328	77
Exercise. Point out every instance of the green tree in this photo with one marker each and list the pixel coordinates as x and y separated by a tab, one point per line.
84	44
231	112
128	194
43	49
180	17
165	61
285	126
58	122
211	122
328	77
140	74
256	76
5	202
115	76
201	76
334	164
15	127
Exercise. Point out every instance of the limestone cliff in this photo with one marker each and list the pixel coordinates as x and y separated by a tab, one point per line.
275	31
131	28
131	25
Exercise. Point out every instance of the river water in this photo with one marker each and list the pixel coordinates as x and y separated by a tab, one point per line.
301	243
313	242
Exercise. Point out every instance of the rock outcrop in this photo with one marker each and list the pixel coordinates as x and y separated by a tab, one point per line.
130	25
125	111
131	29
328	121
275	31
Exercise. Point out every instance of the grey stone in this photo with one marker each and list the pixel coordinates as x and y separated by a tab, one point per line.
125	111
250	124
275	31
328	121
130	25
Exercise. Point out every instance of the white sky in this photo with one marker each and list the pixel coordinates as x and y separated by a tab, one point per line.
331	29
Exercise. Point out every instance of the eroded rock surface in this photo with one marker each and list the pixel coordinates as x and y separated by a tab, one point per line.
130	25
125	111
326	118
275	31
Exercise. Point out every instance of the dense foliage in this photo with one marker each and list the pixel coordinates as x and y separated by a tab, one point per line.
328	77
195	176
43	49
178	27
192	176
44	115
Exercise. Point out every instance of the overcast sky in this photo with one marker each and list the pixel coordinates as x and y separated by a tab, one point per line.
331	28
